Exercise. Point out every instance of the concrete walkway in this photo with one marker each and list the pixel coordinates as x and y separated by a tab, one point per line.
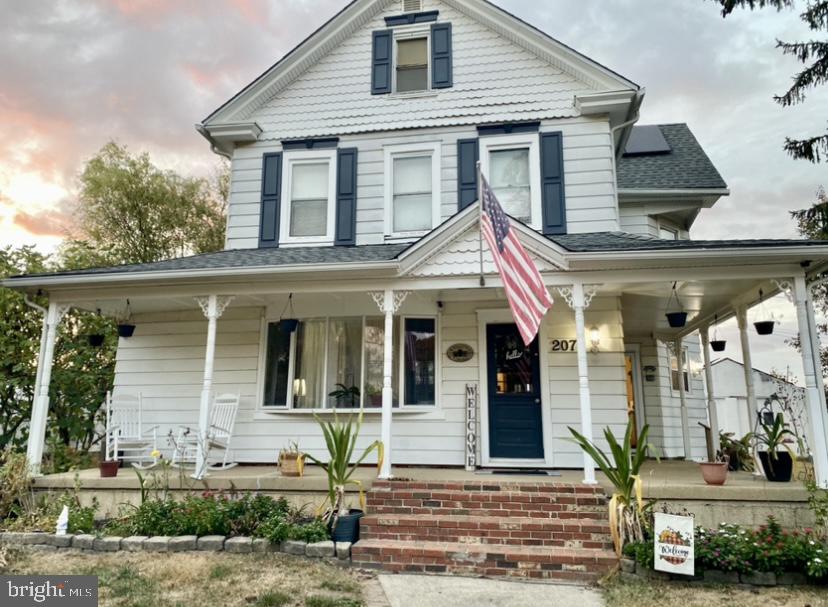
436	591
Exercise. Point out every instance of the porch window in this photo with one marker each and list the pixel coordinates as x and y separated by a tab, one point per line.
337	363
308	192
412	192
674	373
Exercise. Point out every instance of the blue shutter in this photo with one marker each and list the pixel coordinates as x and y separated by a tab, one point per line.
552	183
468	153
441	70
271	194
346	196
381	62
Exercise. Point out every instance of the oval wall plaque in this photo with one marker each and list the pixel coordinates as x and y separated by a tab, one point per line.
460	353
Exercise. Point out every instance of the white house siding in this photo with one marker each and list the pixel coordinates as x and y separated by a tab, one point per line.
164	362
662	405
634	219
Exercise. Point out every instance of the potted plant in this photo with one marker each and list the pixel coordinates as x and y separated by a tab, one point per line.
764	327
778	465
373	394
95	340
109	468
716	344
715	473
125	327
341	438
678	318
346	396
737	451
288	325
291	460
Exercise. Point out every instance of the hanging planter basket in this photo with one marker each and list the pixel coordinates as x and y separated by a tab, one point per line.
679	318
96	340
126	330
716	344
288	325
764	327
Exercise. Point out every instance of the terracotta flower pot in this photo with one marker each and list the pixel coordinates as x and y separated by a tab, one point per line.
109	468
714	473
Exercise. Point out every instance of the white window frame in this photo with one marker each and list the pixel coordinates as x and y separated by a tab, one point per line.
689	383
409	32
291	159
412	150
399	353
665	228
531	141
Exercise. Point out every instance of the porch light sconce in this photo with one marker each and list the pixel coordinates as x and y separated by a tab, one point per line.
594	338
649	373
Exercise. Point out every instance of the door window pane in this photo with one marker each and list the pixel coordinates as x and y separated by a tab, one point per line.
309	199
277	366
374	340
412	65
419	361
309	375
509	174
513	364
412	194
344	362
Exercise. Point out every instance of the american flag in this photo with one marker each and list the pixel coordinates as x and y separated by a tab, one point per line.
527	295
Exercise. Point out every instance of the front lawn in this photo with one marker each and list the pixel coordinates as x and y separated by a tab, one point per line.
183	579
636	593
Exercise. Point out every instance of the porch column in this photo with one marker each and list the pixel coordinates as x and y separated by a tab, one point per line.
579	301
40	402
685	422
712	413
388	302
213	307
750	391
814	392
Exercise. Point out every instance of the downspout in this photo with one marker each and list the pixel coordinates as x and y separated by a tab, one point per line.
213	144
636	114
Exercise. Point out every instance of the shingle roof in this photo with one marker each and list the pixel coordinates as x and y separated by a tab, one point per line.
596	242
253	258
685	167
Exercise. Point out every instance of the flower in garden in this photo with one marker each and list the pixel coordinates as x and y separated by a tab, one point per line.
155	453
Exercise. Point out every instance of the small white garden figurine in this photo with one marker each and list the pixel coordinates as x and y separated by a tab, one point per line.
62	522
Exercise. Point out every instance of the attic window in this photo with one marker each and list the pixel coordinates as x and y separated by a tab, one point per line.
412	6
412	65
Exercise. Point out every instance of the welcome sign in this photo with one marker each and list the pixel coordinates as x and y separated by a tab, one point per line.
674	544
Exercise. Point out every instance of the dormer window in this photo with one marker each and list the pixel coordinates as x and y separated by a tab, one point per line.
412	65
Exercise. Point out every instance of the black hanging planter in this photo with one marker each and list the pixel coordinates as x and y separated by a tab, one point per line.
96	340
764	327
718	345
347	527
676	319
288	325
126	330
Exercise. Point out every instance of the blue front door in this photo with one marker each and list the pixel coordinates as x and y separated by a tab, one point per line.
515	421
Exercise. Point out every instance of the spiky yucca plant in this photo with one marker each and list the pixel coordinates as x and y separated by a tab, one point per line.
622	467
341	438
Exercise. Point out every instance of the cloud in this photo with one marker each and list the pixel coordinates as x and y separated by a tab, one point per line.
49	223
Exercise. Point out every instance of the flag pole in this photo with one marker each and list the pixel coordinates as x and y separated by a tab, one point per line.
480	220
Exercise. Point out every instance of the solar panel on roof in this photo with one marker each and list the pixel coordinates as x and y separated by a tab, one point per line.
646	140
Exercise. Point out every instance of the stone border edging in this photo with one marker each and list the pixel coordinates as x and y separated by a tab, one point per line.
340	551
631	569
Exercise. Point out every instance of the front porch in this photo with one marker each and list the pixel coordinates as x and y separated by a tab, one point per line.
746	499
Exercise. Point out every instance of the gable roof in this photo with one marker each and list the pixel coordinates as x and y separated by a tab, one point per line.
358	12
685	166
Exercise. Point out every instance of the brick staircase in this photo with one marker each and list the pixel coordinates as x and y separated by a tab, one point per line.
538	530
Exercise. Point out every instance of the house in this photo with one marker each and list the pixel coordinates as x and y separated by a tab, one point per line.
353	210
773	395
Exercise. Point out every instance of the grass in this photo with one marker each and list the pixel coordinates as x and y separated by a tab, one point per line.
173	580
652	594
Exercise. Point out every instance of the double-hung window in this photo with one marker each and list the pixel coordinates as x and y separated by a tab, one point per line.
337	363
309	197
412	65
511	164
412	189
674	372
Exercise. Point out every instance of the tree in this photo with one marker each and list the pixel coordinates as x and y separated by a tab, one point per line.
813	54
130	211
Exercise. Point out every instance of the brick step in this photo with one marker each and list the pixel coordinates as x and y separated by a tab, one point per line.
545	563
489	485
526	531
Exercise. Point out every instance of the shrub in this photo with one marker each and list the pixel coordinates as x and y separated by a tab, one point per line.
14	482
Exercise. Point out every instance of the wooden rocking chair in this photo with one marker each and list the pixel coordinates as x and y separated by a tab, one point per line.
219	434
126	438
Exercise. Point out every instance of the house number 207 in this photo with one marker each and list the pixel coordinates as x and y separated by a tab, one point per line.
564	345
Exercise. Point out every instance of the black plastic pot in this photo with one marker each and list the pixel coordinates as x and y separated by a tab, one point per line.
126	330
347	527
288	325
676	319
96	341
718	345
764	327
779	470
734	462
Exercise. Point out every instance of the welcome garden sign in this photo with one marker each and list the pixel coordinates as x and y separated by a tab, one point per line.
674	544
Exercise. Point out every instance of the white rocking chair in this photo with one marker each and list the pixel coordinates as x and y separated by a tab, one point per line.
126	438
219	434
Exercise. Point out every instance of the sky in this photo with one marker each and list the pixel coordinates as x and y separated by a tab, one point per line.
75	74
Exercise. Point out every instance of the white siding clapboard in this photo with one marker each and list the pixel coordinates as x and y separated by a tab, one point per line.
164	361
